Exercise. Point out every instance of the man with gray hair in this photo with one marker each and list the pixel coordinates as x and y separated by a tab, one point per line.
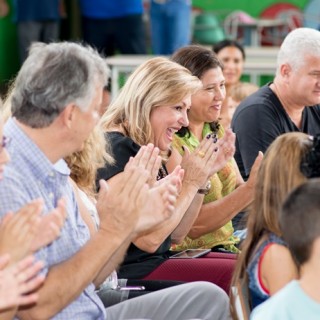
55	105
290	103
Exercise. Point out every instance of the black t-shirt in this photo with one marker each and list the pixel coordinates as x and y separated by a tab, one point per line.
137	263
260	119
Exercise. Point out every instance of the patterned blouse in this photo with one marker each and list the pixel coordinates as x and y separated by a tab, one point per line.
222	183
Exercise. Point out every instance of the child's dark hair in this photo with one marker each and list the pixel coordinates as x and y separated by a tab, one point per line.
300	219
310	164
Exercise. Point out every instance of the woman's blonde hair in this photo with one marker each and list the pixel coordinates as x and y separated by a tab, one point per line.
85	163
157	82
6	104
278	175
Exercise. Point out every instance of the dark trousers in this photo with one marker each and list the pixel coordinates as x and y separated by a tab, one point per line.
126	34
33	31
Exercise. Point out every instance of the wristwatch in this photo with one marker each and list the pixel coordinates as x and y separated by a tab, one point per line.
206	189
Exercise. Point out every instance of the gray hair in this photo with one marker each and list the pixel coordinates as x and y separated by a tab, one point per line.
297	45
53	76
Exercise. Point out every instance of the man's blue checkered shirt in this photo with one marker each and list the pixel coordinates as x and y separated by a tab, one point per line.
30	175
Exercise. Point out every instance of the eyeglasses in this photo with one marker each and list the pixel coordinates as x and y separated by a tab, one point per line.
4	143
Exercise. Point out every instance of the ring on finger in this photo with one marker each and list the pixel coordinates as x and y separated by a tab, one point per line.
201	154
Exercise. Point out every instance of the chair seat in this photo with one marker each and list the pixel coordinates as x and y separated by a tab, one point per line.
214	267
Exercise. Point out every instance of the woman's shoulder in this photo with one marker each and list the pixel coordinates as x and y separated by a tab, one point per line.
117	137
269	242
273	238
119	141
122	148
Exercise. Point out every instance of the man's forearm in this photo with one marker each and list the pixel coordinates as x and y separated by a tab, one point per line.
112	264
189	204
67	280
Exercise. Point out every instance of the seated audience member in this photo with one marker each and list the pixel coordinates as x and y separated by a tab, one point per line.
228	193
21	234
290	103
52	116
300	225
265	262
83	166
151	107
232	55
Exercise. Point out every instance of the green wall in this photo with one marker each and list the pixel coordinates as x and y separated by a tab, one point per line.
9	56
253	7
9	59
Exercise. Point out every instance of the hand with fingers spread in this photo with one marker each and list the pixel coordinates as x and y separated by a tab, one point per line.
160	199
132	199
152	165
27	231
158	204
18	230
50	226
226	150
19	281
177	172
119	206
197	165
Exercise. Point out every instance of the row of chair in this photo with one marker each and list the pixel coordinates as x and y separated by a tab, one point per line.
270	29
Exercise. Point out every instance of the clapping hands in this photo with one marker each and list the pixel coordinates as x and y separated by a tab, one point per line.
18	282
137	202
26	231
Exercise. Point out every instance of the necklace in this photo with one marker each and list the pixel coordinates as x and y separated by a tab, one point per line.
162	172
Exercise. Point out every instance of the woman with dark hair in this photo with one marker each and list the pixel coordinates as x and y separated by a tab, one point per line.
232	55
228	193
